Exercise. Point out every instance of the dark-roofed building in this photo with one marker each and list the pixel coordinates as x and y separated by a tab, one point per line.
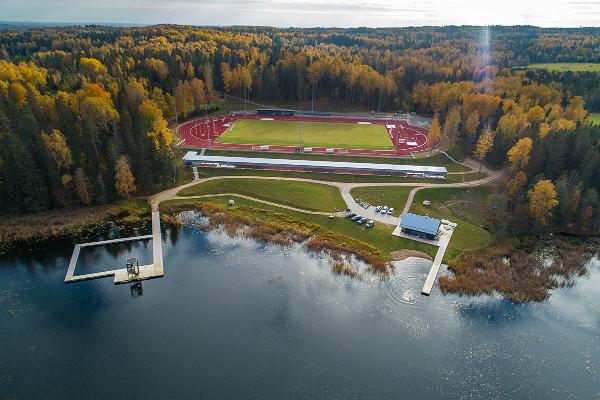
420	225
275	112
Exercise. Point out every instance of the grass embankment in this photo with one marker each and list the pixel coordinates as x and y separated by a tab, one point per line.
303	195
208	172
567	66
438	160
283	229
380	236
314	134
70	222
383	196
466	207
594	118
520	270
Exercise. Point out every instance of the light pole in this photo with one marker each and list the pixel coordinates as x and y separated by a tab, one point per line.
301	125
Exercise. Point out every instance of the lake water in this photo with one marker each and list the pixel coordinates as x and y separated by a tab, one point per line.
236	319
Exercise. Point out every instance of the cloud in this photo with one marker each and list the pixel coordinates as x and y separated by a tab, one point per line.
306	13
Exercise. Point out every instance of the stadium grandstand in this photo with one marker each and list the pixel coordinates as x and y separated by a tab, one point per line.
275	112
195	159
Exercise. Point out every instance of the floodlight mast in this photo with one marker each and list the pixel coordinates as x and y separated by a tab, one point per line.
301	125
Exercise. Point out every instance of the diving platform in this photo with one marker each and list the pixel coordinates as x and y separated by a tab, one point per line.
124	275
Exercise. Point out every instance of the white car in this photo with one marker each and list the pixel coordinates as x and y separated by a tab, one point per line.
384	209
378	208
390	211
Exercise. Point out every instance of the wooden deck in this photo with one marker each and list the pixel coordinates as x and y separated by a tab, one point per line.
154	270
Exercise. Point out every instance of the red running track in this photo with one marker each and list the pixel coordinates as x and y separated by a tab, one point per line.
407	139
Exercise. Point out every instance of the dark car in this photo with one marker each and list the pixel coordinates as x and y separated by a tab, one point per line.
351	215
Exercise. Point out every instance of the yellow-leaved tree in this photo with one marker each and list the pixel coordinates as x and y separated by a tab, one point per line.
542	199
92	68
124	180
434	134
519	154
484	146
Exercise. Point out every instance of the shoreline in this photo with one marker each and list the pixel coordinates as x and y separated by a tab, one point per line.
81	222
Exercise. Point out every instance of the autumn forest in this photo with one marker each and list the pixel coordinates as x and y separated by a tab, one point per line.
87	114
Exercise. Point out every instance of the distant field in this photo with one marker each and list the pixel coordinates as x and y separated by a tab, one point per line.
563	67
314	134
595	118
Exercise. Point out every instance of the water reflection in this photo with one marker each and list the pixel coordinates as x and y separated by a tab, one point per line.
233	318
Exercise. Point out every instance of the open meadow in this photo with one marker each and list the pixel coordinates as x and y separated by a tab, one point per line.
567	66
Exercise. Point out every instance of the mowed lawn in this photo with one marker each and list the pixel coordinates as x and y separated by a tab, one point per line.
595	118
303	195
564	67
380	236
466	207
383	196
314	134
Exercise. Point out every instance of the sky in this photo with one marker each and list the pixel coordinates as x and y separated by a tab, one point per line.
308	13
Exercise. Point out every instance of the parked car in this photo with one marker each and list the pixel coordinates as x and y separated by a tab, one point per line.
378	208
350	215
361	221
384	209
369	224
355	218
390	211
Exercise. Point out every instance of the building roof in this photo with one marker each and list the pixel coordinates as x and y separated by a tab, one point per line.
194	157
420	223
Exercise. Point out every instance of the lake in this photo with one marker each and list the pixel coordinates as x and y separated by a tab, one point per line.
237	319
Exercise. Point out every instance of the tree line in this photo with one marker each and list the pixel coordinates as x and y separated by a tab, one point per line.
85	111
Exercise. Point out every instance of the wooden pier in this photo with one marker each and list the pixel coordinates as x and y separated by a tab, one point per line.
154	270
442	245
435	268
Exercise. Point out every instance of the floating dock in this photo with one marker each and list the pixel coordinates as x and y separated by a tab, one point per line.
150	271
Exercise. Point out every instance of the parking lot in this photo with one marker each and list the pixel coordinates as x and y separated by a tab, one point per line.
371	214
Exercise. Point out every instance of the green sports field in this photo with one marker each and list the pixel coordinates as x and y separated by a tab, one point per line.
314	134
563	67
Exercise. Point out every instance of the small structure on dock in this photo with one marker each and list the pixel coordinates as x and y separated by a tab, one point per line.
133	267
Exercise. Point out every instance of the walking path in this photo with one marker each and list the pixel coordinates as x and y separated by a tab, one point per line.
156	269
338	214
344	187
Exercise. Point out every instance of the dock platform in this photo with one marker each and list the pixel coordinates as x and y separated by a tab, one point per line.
442	245
150	271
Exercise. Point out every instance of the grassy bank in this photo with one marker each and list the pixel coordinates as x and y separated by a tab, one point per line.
466	207
304	195
284	229
69	222
380	236
208	172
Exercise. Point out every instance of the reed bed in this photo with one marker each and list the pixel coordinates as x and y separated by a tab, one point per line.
281	229
76	222
522	273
